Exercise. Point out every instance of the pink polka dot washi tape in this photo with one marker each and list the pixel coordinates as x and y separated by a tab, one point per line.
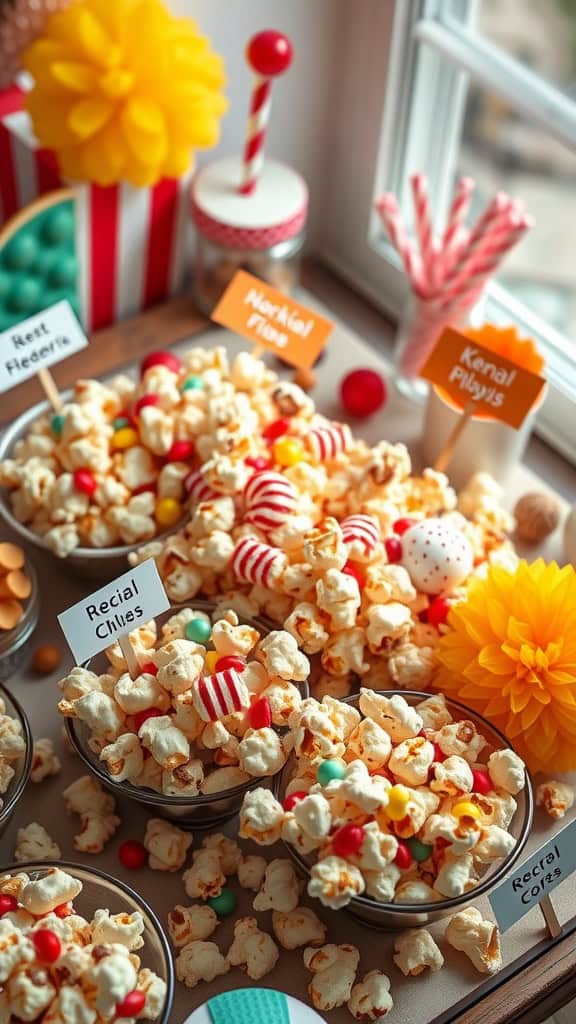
270	499
219	695
361	534
325	443
198	489
253	562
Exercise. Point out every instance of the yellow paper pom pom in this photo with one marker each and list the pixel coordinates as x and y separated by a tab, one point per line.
124	91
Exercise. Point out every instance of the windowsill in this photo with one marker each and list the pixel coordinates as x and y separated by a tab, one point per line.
377	331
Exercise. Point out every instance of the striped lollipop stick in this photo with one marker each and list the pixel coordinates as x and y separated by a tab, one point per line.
268	54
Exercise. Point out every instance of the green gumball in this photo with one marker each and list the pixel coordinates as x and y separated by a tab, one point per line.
330	770
198	630
224	904
419	850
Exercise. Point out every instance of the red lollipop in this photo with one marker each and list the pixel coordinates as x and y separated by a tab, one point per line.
362	392
269	53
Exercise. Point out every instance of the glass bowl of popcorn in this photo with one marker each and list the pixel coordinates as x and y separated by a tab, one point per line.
84	485
399	806
82	945
202	723
15	755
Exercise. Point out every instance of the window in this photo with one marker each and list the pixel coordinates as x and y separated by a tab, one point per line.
485	87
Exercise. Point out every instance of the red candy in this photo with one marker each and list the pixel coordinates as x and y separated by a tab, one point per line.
63	910
439	754
132	854
161	358
289	802
481	782
149	668
144	401
258	462
145	488
347	841
362	392
393	549
142	716
230	661
351	570
269	53
401	525
438	611
131	1005
403	858
84	481
382	772
47	945
7	904
180	451
260	714
442	843
276	429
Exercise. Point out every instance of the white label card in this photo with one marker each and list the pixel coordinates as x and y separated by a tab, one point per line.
113	611
41	340
535	878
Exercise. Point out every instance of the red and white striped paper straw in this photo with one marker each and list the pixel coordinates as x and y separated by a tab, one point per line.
424	231
268	54
391	218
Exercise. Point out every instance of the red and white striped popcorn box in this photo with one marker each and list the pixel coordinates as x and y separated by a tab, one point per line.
133	245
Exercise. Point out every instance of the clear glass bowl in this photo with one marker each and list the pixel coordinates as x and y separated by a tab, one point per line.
102	891
22	767
202	811
14	643
394	916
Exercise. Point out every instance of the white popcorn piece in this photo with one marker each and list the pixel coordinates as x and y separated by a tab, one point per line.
12	744
415	890
313	815
78	683
284	699
452	776
261	752
167	744
101	714
296	836
393	714
461	833
555	797
45	894
434	712
178	675
456	875
229	852
15	949
206	877
326	685
315	733
253	950
479	939
411	761
123	928
507	771
381	884
370	743
298	927
415	951
278	652
338	594
124	758
305	623
69	1005
7	773
344	653
378	849
200	961
110	979
324	548
461	738
386	623
251	871
334	882
362	790
280	889
28	991
412	666
33	842
155	989
191	924
224	778
233	639
166	844
45	761
370	998
493	843
334	972
86	797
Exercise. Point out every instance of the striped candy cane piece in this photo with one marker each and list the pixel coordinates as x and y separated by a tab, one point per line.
270	499
253	562
361	534
325	443
257	125
198	489
219	695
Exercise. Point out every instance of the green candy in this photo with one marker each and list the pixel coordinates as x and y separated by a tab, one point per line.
120	422
58	226
330	770
57	424
193	384
419	850
24	295
198	630
224	904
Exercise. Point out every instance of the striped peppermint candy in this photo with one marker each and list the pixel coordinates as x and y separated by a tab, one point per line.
362	533
270	499
198	489
325	443
253	562
219	695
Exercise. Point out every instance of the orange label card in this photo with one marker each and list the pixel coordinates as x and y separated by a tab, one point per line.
272	320
468	372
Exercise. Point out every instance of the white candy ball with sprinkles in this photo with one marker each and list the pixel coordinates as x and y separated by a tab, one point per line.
437	557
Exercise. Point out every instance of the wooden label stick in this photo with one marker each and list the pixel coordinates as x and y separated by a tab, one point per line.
549	914
445	456
257	352
50	390
128	652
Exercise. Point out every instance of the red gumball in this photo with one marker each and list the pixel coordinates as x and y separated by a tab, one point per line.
258	462
260	714
362	392
132	854
439	754
289	802
149	669
47	945
482	782
145	489
131	1005
442	843
276	429
63	910
269	53
351	570
393	549
403	858
347	841
437	612
230	661
180	451
84	481
7	904
142	716
401	525
161	358
146	400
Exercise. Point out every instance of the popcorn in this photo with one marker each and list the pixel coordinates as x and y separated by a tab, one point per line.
411	760
280	889
382	885
261	752
280	656
334	882
370	743
324	548
411	666
45	894
251	871
224	778
33	842
415	951
124	758
101	714
167	744
338	595
493	843
298	927
344	653
45	761
191	924
333	971
477	938
461	738
456	875
507	771
433	712
313	816
452	776
252	949
461	834
556	797
200	961
284	699
110	979
370	998
415	890
167	845
386	623
87	798
124	929
393	714
28	992
205	878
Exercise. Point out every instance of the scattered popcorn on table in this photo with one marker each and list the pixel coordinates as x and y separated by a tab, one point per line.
251	871
45	761
253	950
87	798
280	889
333	971
33	842
166	844
190	924
370	998
415	951
477	938
298	927
555	797
200	961
205	879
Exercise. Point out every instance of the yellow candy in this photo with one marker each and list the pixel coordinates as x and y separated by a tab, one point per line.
124	438
210	660
466	809
288	451
168	512
398	797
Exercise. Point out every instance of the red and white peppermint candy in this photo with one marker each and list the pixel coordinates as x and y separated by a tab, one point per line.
253	562
198	489
270	499
219	695
325	443
361	534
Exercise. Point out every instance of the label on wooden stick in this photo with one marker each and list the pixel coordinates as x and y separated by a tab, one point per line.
466	371
38	342
273	320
